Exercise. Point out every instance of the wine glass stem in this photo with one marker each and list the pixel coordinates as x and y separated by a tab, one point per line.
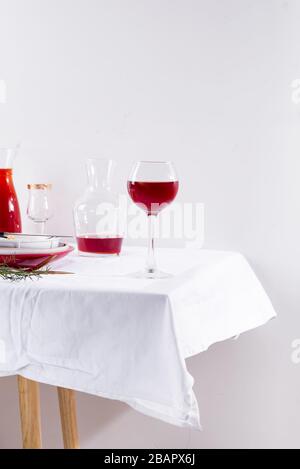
151	262
41	227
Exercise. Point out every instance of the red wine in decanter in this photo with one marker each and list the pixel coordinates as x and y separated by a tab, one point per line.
93	244
10	216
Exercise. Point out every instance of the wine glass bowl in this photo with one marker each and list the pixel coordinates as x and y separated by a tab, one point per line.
39	208
152	185
152	196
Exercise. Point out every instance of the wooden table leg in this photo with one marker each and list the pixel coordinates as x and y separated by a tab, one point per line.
30	413
68	417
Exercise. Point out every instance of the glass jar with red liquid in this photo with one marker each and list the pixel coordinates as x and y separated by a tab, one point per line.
96	213
10	216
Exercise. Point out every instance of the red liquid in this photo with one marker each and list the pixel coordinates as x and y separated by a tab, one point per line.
152	196
10	217
95	245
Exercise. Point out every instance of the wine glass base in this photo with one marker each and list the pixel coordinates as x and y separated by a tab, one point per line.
151	274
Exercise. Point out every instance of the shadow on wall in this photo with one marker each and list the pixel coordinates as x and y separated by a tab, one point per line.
95	415
103	423
95	418
98	418
10	435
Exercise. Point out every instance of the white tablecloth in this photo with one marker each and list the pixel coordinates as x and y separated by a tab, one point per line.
103	333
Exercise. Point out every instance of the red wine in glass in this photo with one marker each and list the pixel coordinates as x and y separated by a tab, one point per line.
152	196
93	244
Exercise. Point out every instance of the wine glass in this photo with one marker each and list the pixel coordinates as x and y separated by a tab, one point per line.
38	208
152	185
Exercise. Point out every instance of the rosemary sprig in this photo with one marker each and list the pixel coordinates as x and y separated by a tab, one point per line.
16	274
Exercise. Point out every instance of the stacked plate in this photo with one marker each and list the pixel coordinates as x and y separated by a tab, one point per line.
18	250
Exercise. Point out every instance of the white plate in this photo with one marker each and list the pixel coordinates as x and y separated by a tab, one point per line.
15	251
20	241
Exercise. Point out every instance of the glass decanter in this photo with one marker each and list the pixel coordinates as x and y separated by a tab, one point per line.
10	216
96	213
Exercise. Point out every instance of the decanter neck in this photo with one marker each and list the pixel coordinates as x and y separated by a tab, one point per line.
100	172
7	157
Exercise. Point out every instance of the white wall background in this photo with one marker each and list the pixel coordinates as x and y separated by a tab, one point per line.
207	84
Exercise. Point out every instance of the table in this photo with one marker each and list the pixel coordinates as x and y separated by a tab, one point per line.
102	332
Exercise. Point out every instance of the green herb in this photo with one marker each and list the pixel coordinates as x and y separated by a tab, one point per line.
16	274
